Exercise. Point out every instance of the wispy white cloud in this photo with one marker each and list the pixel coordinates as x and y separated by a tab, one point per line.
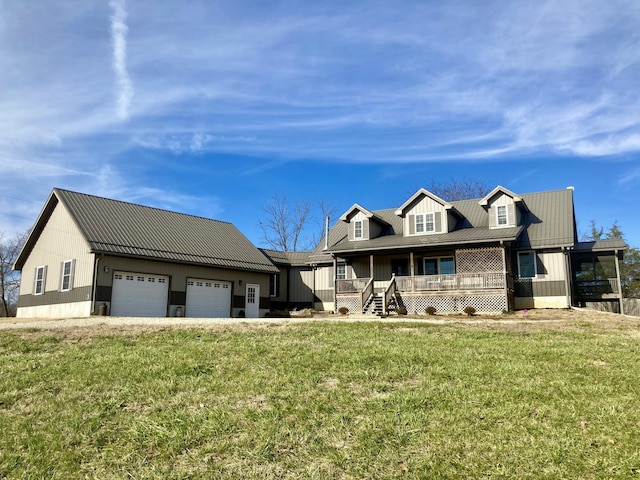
119	31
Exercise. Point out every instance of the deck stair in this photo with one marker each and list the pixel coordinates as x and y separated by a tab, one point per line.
373	306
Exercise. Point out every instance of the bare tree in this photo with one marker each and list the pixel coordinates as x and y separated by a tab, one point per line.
9	280
284	223
463	189
327	210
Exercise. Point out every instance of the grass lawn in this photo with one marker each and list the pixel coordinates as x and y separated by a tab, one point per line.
323	400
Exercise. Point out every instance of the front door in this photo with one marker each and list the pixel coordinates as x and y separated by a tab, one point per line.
252	301
400	267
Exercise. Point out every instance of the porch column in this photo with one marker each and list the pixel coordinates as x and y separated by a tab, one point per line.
567	275
504	273
412	268
371	265
335	284
619	283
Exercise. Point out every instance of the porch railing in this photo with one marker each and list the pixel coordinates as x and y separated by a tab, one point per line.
597	288
366	293
446	283
353	285
389	294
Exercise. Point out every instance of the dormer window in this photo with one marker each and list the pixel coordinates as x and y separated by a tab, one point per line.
501	215
357	229
425	223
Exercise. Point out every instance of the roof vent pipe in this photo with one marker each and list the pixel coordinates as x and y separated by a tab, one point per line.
326	233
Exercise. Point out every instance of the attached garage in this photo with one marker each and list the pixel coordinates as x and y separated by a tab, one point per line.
208	298
139	295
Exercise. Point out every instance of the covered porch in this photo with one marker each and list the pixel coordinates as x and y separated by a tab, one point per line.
447	280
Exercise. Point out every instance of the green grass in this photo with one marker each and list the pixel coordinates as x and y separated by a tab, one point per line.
322	400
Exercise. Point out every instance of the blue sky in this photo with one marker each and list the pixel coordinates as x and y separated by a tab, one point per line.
210	108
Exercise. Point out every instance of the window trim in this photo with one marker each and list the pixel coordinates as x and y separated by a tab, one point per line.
424	223
39	285
358	225
499	216
438	265
69	275
535	268
344	271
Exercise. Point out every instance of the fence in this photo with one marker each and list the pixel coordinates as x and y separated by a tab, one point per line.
631	306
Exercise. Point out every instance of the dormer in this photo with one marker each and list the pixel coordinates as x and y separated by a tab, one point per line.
427	214
505	208
363	224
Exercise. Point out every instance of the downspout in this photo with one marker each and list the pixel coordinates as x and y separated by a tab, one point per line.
619	282
567	275
95	284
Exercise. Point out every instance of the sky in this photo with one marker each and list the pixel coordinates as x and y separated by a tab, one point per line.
212	107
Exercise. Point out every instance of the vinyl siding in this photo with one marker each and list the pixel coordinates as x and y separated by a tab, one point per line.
426	205
61	240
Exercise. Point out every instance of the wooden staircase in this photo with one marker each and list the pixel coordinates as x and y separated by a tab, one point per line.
373	305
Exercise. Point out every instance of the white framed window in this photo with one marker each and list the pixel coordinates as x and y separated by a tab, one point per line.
439	266
341	271
429	222
40	280
527	264
425	223
66	276
501	215
357	229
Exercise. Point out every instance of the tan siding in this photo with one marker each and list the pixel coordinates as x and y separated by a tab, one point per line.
426	205
301	284
554	266
324	277
60	240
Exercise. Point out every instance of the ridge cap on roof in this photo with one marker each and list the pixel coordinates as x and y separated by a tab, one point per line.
125	202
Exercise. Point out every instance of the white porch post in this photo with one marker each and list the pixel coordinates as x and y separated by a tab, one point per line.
371	266
412	269
335	284
504	273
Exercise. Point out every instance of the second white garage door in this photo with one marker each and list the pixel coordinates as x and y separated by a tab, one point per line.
208	298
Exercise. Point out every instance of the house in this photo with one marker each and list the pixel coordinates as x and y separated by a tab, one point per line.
88	255
502	252
292	288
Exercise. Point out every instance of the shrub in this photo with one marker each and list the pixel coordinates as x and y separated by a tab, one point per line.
430	310
469	310
343	310
401	311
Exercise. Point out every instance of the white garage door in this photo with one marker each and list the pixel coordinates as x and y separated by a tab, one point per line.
139	295
208	298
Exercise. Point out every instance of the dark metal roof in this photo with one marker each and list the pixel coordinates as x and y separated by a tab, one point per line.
608	244
121	228
547	222
286	258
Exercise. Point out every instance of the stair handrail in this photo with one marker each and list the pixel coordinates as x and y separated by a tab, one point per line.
388	294
367	292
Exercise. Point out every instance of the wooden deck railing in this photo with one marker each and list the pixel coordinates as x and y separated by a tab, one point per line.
427	283
446	283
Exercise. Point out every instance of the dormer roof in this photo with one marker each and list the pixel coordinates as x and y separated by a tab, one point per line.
365	212
420	193
505	191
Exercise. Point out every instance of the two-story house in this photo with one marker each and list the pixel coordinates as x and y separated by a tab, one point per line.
499	253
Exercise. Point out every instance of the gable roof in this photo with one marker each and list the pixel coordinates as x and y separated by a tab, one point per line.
127	229
549	222
367	213
420	193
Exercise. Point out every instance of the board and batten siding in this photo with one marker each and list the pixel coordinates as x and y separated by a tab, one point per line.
549	287
60	241
426	205
513	213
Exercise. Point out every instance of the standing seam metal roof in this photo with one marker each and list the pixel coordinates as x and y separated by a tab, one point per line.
121	228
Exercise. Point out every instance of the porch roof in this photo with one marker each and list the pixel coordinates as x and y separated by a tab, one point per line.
478	235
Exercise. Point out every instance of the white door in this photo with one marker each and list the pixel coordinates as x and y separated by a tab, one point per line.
139	295
208	298
252	301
